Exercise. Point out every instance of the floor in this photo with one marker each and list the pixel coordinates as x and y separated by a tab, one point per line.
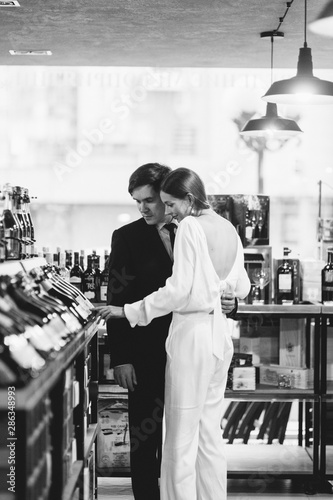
110	488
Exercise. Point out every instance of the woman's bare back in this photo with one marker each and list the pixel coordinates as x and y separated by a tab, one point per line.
222	241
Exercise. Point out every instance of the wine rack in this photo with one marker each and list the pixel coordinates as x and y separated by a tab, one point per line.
309	460
54	421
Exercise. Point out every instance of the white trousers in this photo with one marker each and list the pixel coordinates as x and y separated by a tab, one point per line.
193	460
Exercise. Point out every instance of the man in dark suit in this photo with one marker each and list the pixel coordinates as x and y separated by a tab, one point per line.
140	263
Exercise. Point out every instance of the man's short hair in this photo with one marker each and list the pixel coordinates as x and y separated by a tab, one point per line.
151	174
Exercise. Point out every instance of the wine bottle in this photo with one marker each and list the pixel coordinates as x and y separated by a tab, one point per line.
105	277
68	259
82	258
75	276
88	281
327	279
284	280
95	265
63	269
248	227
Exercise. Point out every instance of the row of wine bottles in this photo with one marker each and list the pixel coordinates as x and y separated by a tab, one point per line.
40	313
287	273
17	233
86	274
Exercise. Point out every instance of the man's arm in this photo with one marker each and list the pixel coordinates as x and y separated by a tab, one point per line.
120	291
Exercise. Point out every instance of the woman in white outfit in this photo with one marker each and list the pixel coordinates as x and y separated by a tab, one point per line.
208	259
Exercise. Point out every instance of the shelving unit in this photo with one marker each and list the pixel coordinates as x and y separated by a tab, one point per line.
55	421
299	461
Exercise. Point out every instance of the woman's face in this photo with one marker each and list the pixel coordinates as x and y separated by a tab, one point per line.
176	207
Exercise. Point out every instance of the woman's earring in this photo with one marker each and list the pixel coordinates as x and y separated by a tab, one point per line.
191	211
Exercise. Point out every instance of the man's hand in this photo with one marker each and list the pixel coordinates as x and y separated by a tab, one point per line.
228	302
124	375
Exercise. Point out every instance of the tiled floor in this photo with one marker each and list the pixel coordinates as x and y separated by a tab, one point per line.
110	488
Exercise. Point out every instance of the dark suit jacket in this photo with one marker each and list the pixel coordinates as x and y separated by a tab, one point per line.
139	264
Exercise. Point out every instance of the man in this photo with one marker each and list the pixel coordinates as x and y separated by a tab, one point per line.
140	263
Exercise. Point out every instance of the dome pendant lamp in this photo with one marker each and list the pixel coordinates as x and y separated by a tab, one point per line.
323	25
270	125
304	87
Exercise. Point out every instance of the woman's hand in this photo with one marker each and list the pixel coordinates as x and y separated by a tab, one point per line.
109	312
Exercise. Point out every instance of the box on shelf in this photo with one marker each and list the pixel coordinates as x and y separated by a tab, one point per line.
244	378
292	342
269	350
250	345
302	378
311	279
113	442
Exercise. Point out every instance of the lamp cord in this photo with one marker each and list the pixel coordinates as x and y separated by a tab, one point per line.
281	19
272	41
305	20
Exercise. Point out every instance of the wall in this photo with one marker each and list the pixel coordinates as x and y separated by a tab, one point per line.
74	135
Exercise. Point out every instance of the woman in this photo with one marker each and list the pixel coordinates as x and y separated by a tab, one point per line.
208	259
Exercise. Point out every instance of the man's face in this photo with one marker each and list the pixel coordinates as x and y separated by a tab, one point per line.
149	204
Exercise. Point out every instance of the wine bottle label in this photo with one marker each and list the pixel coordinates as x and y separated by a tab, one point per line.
46	285
285	283
82	312
83	303
328	276
89	294
327	288
75	279
104	290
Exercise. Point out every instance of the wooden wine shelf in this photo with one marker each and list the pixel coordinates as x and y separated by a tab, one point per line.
272	393
27	397
303	310
275	459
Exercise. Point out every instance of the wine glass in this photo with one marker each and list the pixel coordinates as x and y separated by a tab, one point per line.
260	277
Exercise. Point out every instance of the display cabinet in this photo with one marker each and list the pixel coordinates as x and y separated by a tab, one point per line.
48	427
271	401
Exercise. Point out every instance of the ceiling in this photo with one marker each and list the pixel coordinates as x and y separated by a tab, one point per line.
159	33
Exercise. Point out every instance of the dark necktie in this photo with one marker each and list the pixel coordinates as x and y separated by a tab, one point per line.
171	228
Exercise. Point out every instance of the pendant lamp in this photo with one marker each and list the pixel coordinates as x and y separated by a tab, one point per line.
270	125
304	87
323	25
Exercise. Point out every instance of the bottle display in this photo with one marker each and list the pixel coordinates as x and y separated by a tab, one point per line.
39	314
284	281
17	234
327	279
11	226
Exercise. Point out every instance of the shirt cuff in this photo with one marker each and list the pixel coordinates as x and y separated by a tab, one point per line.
132	312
